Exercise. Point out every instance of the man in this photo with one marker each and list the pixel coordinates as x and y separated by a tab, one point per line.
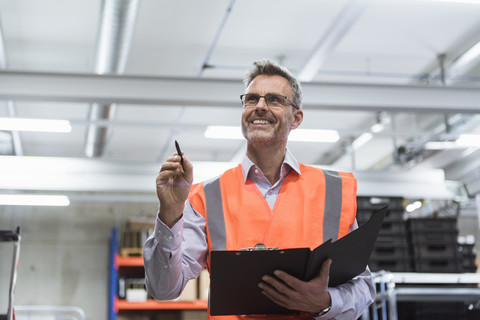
269	198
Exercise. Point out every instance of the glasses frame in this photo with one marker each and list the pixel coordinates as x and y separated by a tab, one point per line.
274	94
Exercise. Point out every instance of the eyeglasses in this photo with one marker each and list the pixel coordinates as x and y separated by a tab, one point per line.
250	100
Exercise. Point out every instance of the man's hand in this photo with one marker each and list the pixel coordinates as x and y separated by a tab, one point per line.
295	294
173	185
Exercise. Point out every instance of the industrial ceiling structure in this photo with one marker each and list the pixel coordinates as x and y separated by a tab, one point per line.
397	80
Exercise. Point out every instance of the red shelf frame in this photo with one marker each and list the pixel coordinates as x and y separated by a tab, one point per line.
120	305
123	305
128	261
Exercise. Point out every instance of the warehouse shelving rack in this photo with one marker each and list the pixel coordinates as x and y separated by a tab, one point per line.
117	305
12	236
428	287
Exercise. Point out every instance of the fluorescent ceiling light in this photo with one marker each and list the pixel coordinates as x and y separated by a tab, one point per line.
377	127
458	1
38	125
463	141
34	200
441	145
304	135
471	54
464	60
314	135
361	140
468	140
413	206
223	132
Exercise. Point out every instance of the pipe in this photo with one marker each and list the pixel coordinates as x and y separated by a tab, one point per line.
118	18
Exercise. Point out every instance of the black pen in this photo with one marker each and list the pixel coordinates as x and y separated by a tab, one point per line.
179	152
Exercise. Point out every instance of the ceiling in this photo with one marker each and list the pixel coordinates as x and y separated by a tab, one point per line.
140	74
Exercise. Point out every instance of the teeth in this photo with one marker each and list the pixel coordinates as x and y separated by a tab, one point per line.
260	121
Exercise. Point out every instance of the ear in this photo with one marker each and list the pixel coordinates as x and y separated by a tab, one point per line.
297	119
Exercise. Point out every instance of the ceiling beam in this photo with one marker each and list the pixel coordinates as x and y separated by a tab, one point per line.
88	175
36	86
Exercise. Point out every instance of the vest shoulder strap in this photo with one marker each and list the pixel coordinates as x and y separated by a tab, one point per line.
214	214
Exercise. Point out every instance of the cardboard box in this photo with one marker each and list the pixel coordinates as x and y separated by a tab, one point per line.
190	292
193	315
203	285
136	295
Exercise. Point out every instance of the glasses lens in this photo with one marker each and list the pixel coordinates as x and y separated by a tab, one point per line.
275	100
250	99
272	100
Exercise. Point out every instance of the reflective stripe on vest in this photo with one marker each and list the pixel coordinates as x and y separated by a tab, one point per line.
216	219
333	205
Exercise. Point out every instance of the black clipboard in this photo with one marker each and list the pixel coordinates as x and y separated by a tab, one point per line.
235	275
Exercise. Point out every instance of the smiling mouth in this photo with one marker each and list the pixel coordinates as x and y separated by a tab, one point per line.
260	122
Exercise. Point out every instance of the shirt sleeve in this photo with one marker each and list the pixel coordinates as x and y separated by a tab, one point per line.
173	256
349	300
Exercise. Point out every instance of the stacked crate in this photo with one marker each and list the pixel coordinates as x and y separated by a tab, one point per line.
434	244
391	251
467	256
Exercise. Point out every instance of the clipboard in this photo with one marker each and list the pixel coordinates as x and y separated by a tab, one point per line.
235	274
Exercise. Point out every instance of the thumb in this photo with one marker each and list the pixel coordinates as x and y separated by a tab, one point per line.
187	170
325	271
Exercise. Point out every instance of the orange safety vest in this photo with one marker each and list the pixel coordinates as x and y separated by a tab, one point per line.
238	216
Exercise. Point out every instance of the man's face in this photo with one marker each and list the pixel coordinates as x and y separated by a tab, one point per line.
264	124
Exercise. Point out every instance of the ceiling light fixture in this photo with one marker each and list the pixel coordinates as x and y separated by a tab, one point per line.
413	206
361	140
223	132
466	59
463	141
377	127
37	125
34	200
314	135
381	120
458	1
302	135
441	145
468	140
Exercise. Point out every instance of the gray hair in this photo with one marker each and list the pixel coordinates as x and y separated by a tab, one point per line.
271	68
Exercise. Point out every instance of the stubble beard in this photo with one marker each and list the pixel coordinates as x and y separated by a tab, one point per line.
261	138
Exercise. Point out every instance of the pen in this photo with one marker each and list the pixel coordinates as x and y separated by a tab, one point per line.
177	146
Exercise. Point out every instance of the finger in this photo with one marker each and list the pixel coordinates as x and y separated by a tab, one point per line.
169	169
277	298
272	293
277	285
325	270
287	279
175	158
187	169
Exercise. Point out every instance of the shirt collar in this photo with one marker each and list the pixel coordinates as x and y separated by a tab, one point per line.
289	160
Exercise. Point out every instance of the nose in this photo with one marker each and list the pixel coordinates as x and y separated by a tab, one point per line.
262	103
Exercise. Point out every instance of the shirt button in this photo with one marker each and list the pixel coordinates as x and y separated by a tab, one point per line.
165	266
170	237
256	171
